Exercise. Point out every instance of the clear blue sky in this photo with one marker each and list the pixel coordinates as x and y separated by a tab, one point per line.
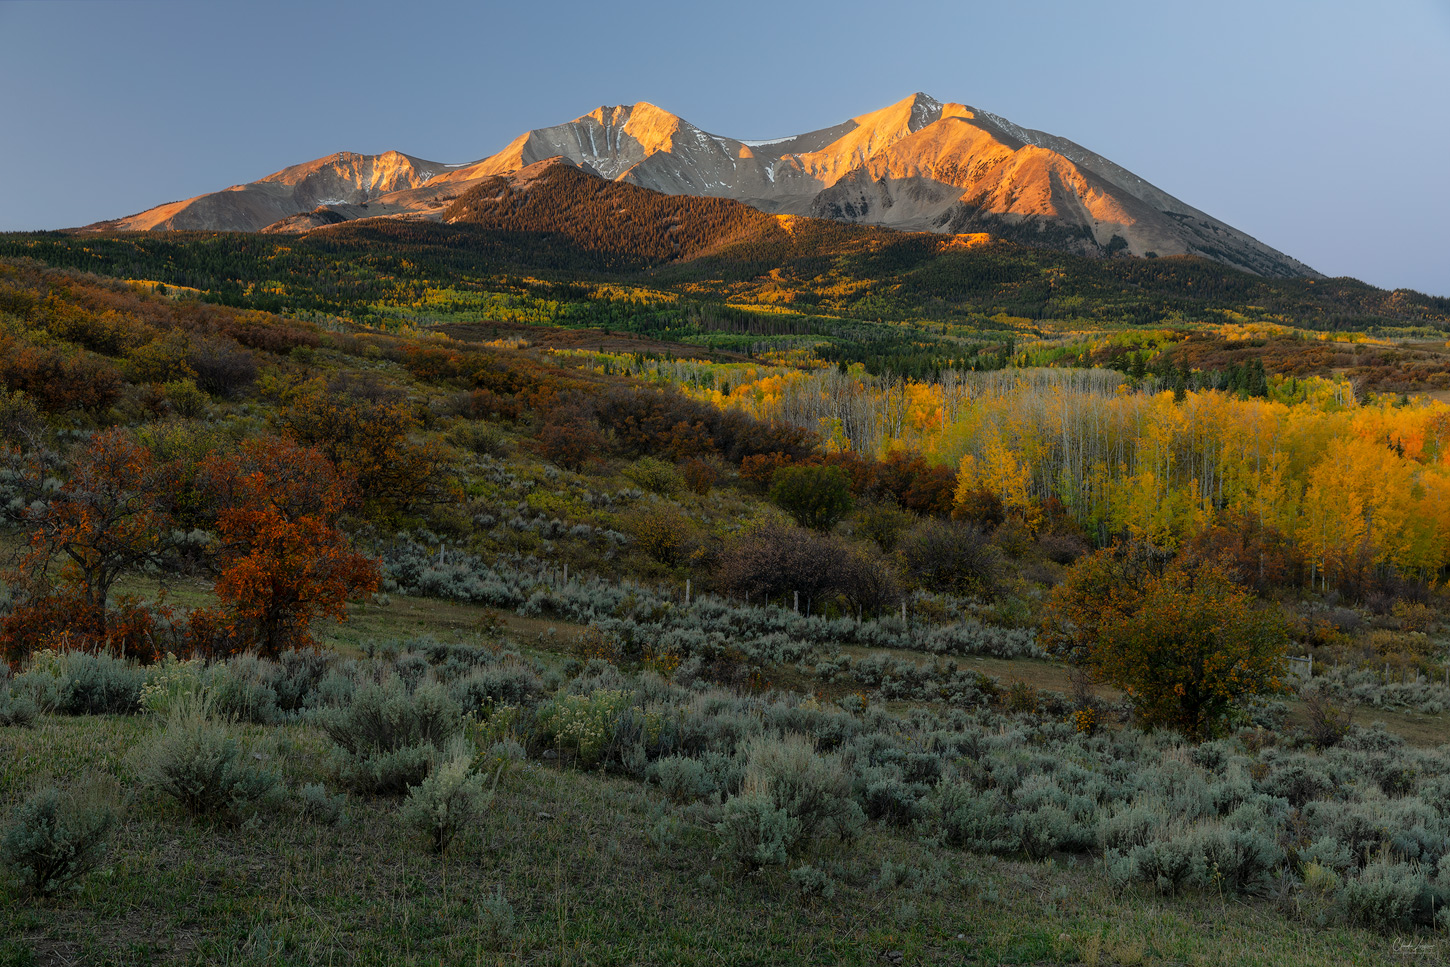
1321	127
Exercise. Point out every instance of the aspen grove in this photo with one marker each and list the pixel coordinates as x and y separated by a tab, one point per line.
1353	483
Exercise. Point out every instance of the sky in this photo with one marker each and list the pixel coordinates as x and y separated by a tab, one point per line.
1321	128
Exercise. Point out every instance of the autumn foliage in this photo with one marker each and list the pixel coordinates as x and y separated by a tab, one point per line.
1185	642
571	442
373	441
110	517
280	557
58	381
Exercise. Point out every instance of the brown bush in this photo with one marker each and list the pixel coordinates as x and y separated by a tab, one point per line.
917	485
1330	715
372	441
432	364
1061	548
773	561
981	507
700	475
485	402
572	444
1253	554
648	421
867	581
262	331
950	555
760	468
221	366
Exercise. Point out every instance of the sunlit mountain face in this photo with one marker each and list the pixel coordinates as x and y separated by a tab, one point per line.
917	165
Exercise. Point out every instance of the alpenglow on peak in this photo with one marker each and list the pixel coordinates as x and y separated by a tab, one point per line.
920	164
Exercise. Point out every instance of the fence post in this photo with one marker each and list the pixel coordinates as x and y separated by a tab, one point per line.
903	611
566	572
797	604
1311	664
687	592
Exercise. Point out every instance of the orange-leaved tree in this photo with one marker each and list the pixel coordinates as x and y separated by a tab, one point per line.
282	559
1183	640
111	516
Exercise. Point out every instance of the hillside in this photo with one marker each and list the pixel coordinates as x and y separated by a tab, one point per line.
600	656
561	224
594	215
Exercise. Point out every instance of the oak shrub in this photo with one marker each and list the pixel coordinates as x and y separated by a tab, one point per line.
1186	642
816	497
280	557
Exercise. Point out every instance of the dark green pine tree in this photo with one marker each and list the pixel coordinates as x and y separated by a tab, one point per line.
1258	380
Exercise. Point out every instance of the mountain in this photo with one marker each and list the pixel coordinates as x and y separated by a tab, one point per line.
917	165
344	182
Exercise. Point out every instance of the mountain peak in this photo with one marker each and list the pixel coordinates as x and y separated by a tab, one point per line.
908	116
924	103
919	164
620	113
651	126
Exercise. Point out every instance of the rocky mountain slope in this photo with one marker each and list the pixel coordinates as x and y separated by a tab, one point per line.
917	165
344	182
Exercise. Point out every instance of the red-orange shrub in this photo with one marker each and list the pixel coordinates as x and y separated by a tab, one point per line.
65	620
571	444
700	475
760	468
111	516
281	557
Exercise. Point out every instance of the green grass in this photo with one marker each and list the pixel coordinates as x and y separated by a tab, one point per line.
598	870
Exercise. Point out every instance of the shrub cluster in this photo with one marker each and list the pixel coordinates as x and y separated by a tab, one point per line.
644	619
449	800
54	839
1356	831
390	737
199	763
